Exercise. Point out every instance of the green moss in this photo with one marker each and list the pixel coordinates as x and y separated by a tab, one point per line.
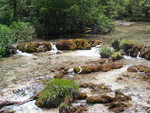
30	48
76	69
55	91
146	70
21	47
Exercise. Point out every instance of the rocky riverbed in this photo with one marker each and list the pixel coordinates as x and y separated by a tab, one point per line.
22	75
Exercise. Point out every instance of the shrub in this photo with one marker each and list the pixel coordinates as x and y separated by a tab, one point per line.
22	31
124	44
115	44
106	52
55	91
116	56
6	39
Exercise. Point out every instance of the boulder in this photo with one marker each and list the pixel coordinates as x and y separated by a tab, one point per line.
66	45
115	65
106	67
81	96
82	44
22	46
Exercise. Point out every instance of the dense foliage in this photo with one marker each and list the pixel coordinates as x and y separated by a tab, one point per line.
16	32
62	16
106	52
67	16
6	39
55	91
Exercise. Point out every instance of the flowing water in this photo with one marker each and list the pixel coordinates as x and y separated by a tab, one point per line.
22	74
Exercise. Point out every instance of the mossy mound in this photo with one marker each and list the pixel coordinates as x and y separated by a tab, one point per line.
66	45
31	48
55	92
21	46
47	46
34	47
82	44
94	43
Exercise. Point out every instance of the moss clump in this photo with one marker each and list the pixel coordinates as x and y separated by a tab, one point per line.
55	92
21	46
30	48
115	44
47	46
66	45
115	56
82	44
124	44
76	69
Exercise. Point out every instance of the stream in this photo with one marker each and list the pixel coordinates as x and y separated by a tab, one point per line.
22	75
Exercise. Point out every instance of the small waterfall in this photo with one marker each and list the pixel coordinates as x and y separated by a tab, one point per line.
10	52
23	53
54	49
26	47
138	55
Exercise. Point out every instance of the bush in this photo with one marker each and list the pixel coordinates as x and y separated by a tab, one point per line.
106	52
124	44
22	31
6	39
55	91
116	56
115	44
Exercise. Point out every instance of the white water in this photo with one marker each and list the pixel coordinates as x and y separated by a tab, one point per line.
23	53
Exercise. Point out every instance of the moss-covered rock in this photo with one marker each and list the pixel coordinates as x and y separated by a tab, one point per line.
140	68
82	44
134	50
22	46
94	42
31	48
66	45
47	46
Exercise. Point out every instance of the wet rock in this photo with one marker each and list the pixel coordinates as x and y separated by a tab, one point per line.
115	65
134	50
87	85
66	45
101	61
132	69
119	96
99	99
58	52
145	52
139	68
118	106
81	96
106	67
71	109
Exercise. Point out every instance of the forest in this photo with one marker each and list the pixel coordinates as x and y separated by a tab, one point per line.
22	20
